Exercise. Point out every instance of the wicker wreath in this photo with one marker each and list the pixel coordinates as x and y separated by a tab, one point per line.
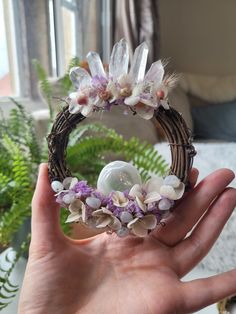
227	305
121	203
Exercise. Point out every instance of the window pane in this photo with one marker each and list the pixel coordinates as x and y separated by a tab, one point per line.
52	38
68	20
77	30
9	82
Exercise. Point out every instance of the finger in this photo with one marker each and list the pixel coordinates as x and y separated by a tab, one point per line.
188	212
203	292
190	252
45	210
193	177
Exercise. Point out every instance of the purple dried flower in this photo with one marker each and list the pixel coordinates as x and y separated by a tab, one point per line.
99	82
89	211
145	96
59	198
158	217
133	208
107	106
82	189
93	93
109	203
120	101
126	193
117	211
98	195
152	207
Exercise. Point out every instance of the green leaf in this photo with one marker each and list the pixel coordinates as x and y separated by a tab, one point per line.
3	305
88	155
2	296
44	84
7	289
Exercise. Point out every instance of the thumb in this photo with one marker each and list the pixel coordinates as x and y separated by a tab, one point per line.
45	221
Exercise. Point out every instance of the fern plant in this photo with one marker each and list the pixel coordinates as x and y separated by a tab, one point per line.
90	147
8	290
20	155
65	82
101	143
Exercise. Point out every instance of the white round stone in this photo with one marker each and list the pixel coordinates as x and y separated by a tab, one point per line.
126	217
118	176
164	204
172	180
93	202
123	232
57	186
68	198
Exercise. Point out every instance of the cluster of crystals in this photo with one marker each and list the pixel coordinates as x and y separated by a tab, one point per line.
137	210
102	89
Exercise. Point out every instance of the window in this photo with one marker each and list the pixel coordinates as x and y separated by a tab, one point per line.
78	26
9	74
52	31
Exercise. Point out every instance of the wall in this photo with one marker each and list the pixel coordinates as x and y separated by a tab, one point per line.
199	35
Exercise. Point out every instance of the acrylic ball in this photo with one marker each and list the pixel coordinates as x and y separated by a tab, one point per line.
118	176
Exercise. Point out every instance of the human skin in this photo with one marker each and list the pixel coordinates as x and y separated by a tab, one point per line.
106	274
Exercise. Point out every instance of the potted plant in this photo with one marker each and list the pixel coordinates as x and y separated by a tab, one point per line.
89	149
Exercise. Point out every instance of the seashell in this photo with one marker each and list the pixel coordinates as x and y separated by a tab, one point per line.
152	197
66	182
172	180
118	176
93	202
57	186
172	193
69	182
116	224
168	192
119	199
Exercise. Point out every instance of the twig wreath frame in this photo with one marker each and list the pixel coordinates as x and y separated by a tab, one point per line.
121	203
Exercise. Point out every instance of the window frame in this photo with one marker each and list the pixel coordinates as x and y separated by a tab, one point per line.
27	36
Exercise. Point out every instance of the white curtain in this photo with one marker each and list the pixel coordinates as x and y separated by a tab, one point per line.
138	21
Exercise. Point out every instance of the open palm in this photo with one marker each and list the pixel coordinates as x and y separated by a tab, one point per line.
107	274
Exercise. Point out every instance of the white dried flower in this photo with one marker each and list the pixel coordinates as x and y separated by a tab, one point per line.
141	226
105	218
119	199
78	211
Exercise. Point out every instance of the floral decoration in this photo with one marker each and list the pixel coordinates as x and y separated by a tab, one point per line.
99	89
122	203
136	211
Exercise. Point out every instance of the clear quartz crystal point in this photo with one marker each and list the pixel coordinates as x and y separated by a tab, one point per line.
119	60
139	62
156	72
79	77
95	64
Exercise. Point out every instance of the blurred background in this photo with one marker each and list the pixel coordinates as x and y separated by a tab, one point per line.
195	37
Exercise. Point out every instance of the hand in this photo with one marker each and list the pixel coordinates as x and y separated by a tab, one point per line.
107	274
